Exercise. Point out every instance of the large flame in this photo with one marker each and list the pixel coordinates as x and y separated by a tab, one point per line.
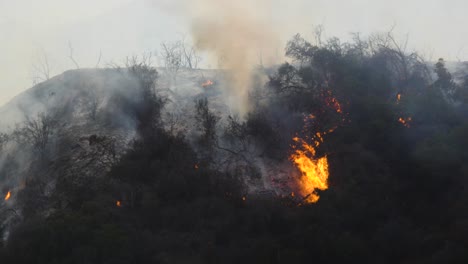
8	196
314	171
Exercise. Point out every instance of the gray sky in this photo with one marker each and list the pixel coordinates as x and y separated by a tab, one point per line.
30	28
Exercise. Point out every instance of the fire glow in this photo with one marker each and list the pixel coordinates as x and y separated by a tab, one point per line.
405	121
8	196
314	171
207	83
333	102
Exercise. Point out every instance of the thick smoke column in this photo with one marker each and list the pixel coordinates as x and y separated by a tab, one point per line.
239	36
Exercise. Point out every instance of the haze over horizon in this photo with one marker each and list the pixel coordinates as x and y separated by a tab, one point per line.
119	28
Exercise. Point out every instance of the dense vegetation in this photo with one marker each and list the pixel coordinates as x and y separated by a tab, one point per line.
397	186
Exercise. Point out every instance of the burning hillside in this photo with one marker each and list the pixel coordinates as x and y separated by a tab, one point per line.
137	164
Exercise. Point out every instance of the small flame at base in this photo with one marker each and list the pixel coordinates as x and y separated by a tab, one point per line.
8	196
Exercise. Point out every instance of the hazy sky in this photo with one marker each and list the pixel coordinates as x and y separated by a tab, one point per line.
30	28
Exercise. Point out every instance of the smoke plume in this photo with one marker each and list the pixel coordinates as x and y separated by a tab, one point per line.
238	36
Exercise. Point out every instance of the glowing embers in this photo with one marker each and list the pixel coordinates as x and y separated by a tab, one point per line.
405	121
207	83
314	170
8	196
333	102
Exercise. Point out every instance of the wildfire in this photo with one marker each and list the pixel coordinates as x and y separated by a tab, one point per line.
8	196
405	121
207	83
118	203
314	171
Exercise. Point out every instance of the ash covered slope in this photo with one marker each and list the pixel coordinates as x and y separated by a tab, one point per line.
85	91
78	124
72	89
69	126
59	119
87	95
94	102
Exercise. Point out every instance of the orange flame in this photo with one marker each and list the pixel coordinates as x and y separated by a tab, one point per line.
314	172
207	83
118	203
196	166
398	98
8	196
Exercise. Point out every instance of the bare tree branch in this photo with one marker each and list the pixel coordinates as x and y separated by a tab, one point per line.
41	68
70	56
99	59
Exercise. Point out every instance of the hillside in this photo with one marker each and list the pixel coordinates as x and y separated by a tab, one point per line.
347	152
